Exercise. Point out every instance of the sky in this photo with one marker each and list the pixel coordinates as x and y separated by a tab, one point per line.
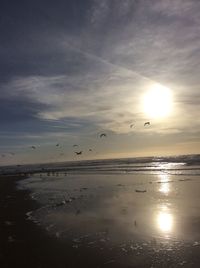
70	70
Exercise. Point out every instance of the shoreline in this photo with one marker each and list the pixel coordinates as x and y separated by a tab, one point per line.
23	243
26	244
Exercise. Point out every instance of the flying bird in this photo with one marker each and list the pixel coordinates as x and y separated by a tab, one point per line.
33	147
103	135
147	123
57	144
78	152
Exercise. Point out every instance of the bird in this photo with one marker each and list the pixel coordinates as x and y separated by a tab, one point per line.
131	125
147	123
75	145
33	147
57	144
102	135
78	152
90	150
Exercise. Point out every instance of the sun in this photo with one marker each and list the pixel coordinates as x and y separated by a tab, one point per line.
157	102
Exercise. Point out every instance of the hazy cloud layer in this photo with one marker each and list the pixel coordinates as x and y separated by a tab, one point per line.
75	68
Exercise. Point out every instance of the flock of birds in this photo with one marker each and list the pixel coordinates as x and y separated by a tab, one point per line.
101	135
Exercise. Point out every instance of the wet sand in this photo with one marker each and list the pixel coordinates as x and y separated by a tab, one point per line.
93	224
25	244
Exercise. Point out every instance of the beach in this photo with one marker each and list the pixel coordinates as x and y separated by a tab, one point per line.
60	219
100	134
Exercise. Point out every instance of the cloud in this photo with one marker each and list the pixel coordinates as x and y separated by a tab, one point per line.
180	8
157	33
77	68
73	97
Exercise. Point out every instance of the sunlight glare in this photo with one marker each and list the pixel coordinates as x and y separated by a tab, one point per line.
165	221
164	185
157	101
164	188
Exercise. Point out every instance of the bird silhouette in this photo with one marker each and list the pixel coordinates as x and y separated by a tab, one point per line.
57	144
33	147
147	123
78	152
102	135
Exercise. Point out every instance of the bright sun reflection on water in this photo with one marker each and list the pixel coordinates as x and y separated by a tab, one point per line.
165	222
164	218
164	188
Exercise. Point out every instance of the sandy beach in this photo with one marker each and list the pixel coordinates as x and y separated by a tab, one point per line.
100	221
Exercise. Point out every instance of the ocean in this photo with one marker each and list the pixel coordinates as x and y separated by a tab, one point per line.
120	207
178	165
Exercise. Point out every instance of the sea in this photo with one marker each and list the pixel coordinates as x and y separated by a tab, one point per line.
120	208
178	165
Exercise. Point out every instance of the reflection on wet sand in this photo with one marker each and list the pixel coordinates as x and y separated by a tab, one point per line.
165	218
164	188
165	221
107	213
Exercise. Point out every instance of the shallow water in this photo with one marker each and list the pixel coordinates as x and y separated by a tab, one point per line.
145	207
129	213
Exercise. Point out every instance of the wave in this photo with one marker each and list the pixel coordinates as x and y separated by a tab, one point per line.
177	165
